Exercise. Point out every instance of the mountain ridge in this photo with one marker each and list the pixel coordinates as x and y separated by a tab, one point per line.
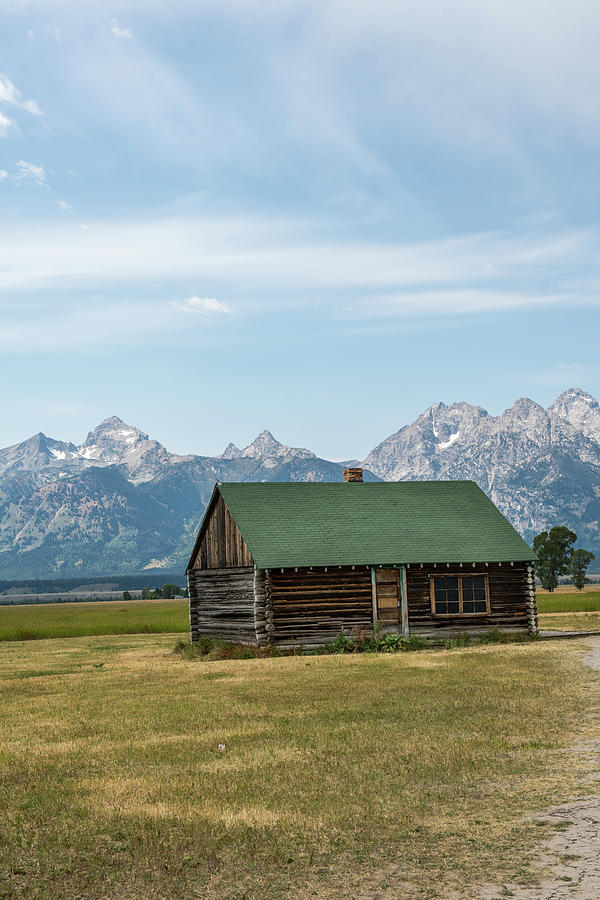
121	502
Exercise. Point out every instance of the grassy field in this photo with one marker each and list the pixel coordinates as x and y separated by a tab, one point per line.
20	623
569	601
52	620
570	621
340	774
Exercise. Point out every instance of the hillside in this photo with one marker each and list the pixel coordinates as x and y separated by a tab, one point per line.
121	502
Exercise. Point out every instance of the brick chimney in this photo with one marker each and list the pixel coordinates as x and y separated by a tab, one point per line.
353	474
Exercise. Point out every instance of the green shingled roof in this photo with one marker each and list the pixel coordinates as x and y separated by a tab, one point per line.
372	523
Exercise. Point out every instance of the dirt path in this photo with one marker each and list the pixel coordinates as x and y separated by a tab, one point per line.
570	859
568	862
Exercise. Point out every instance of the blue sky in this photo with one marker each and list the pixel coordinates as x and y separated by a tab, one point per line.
316	217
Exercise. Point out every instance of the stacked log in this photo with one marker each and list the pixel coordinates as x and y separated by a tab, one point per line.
532	612
222	603
309	607
510	600
260	606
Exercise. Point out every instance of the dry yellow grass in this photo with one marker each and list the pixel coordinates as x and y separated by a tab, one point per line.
570	621
571	589
340	774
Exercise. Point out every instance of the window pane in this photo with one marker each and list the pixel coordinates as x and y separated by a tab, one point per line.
467	594
440	593
479	582
480	606
453	596
480	595
452	583
453	606
468	606
440	607
467	583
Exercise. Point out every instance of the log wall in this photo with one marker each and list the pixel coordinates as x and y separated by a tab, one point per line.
310	607
221	544
512	605
222	604
263	619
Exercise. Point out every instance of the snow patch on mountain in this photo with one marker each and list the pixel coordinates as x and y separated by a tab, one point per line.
121	500
451	440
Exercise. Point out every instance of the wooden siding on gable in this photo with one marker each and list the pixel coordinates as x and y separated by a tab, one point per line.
221	544
508	597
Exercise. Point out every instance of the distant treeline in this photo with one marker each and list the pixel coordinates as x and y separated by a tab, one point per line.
37	599
92	583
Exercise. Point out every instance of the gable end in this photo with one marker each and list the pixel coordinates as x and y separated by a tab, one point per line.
220	544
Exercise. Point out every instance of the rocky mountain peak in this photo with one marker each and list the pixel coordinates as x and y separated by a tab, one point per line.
524	407
574	397
524	413
62	507
580	410
111	441
38	452
266	446
263	444
230	452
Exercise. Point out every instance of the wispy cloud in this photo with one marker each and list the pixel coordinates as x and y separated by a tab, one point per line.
273	253
457	302
6	125
64	206
118	30
271	264
29	172
205	305
10	96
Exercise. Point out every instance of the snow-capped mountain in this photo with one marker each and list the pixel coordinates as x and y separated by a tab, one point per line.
466	437
121	502
39	452
540	466
114	443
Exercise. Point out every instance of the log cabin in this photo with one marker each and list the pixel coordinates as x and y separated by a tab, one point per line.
294	564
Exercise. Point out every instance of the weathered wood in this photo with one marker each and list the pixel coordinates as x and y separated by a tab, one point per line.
508	596
311	607
222	604
532	613
404	624
388	598
220	544
260	606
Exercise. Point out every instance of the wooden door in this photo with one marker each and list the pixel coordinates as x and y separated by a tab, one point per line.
387	587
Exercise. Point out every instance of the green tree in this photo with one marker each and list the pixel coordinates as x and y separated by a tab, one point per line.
580	560
554	549
170	590
127	595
